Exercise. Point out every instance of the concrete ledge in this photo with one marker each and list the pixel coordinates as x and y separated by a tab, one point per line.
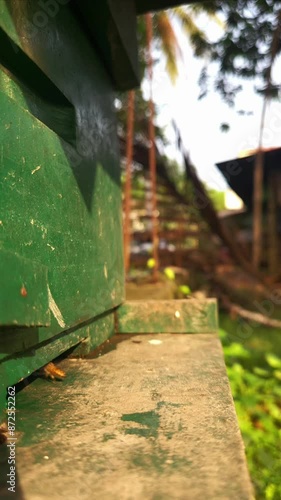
152	418
167	316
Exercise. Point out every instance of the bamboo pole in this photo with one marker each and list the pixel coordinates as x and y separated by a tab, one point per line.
152	155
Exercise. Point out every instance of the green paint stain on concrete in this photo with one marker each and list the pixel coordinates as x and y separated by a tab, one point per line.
150	421
139	432
159	460
169	435
159	496
163	404
156	458
180	427
107	437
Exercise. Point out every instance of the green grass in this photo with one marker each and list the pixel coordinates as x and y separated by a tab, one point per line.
253	359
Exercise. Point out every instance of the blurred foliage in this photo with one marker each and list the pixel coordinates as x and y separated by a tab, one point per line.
150	263
184	290
169	273
165	45
254	369
245	47
217	198
165	42
141	118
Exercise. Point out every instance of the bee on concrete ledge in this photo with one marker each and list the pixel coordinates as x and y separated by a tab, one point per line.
52	372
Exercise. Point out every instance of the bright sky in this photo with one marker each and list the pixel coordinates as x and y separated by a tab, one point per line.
199	121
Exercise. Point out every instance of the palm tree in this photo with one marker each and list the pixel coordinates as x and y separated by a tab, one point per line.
159	29
152	156
166	38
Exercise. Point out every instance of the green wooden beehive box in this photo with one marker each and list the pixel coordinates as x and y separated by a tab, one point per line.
61	263
61	257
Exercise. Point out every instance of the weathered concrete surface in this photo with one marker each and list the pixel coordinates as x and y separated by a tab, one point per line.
167	316
153	291
143	421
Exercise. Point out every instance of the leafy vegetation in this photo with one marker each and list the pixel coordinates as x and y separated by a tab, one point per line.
217	198
254	371
247	47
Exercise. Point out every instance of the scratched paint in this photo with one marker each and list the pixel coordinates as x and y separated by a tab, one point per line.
40	226
35	169
55	310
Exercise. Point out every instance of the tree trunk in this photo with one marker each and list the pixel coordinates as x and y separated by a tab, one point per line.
258	209
258	196
272	226
129	159
152	153
259	162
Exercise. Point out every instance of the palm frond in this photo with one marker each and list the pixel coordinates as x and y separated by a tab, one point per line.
207	8
217	20
197	37
187	22
169	43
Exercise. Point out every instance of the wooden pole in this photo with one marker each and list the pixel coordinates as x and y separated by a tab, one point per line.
272	226
257	207
152	156
128	180
259	163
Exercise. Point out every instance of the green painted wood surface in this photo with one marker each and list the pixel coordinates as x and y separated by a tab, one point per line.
16	367
46	219
23	284
44	99
113	27
167	316
60	205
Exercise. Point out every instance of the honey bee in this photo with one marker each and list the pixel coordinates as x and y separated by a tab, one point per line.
53	372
